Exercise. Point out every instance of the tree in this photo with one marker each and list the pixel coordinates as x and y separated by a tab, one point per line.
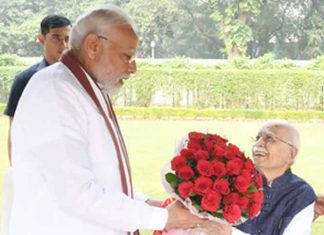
291	29
233	17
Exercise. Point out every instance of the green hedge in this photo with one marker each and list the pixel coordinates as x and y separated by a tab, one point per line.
189	113
284	89
7	74
271	89
2	107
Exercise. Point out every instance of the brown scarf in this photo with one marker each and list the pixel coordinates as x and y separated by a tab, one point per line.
73	64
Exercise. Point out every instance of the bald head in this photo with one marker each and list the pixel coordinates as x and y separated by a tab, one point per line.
284	130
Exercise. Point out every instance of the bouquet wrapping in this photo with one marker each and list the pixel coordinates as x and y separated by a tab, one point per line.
214	179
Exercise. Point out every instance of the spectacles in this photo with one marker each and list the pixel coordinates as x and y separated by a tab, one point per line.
57	39
128	58
269	137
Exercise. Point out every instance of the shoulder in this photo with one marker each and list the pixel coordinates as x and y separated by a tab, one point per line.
56	79
301	194
301	184
26	74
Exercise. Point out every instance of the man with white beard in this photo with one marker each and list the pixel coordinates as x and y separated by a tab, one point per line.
288	206
70	164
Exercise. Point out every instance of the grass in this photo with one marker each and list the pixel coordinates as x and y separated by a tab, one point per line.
151	142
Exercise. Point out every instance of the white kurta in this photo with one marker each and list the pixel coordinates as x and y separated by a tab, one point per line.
65	168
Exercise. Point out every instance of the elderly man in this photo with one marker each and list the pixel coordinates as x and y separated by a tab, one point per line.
70	164
288	206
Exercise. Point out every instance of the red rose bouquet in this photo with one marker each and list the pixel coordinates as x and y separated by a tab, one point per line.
214	179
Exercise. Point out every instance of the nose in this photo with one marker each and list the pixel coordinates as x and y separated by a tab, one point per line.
65	44
132	67
260	142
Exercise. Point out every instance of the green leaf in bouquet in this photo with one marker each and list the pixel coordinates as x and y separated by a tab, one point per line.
192	163
174	184
170	177
217	214
197	206
252	188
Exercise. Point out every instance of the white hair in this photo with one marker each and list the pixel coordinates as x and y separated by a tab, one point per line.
283	123
98	21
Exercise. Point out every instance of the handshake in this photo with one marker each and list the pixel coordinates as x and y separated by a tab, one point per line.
179	217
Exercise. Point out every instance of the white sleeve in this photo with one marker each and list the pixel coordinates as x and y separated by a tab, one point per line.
60	150
302	222
140	196
236	231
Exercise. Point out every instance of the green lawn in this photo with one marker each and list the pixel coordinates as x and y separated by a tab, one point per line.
151	142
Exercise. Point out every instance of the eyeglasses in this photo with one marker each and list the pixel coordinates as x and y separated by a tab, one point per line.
269	137
128	58
57	39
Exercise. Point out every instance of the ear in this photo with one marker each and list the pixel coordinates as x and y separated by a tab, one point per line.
41	38
294	152
92	46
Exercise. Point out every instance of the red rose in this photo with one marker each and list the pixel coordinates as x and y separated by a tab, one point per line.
258	181
234	166
205	168
185	189
201	155
248	165
185	173
219	151
193	145
221	141
253	209
187	154
177	162
197	136
209	145
241	184
246	174
210	202
231	213
202	185
233	151
219	168
231	198
243	202
257	196
221	186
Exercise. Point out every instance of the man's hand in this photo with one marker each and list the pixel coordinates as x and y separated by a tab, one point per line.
153	202
179	217
319	206
213	228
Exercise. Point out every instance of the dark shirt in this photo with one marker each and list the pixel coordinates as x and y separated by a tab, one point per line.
283	199
19	85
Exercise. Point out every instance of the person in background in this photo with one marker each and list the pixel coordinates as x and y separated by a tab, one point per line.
54	36
288	207
70	165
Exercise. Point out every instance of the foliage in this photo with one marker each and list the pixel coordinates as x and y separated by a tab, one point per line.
233	17
7	75
318	63
291	29
11	60
273	89
188	85
217	114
